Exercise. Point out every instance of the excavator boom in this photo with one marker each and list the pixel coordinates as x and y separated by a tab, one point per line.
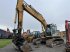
35	14
23	6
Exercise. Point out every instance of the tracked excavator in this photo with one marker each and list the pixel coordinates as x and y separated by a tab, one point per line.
20	8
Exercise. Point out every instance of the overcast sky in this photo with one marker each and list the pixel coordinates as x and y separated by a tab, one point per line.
54	11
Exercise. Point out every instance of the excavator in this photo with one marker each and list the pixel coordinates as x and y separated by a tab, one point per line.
20	8
67	27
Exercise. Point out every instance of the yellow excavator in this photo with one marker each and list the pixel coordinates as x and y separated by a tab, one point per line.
20	8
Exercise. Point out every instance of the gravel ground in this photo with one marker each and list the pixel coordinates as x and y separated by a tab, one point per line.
42	48
8	48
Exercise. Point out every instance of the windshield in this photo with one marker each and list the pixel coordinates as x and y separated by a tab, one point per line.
51	29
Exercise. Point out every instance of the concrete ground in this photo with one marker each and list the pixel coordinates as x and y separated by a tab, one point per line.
42	48
8	48
46	49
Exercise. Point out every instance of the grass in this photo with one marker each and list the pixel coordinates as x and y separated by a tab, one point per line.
4	42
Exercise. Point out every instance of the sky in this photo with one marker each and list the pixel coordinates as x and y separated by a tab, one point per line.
54	11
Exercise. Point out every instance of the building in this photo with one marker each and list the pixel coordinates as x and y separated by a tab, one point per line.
62	33
5	34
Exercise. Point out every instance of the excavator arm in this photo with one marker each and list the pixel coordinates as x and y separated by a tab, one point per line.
23	6
20	8
19	15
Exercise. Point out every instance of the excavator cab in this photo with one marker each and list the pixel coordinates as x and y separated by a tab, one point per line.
48	30
51	30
